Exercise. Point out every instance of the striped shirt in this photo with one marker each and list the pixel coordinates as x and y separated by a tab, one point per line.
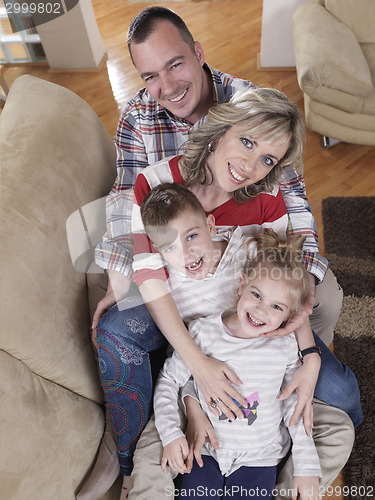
265	210
146	133
265	367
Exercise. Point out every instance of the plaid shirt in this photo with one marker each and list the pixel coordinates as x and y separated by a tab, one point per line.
145	134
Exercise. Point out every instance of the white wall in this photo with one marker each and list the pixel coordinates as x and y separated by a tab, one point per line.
277	33
73	41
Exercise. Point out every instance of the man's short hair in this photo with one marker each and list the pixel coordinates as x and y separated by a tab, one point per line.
167	201
146	21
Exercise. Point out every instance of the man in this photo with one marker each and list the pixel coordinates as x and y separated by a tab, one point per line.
179	90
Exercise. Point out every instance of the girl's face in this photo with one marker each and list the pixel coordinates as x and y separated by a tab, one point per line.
240	160
264	304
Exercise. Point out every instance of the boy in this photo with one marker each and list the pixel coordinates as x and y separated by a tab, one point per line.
185	238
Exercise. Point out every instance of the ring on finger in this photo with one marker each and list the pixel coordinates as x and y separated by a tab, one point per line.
217	401
214	405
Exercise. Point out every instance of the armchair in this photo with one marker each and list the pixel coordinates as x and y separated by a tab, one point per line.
334	43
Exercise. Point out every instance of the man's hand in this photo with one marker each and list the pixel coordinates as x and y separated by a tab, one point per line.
307	487
299	318
199	429
304	382
174	455
214	378
118	288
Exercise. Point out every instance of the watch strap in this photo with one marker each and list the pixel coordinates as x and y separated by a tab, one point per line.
309	350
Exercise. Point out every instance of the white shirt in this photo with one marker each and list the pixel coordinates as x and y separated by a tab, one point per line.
265	367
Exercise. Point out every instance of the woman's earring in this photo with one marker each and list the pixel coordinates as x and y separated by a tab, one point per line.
210	147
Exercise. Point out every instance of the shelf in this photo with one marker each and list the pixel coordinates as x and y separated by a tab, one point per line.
23	45
20	39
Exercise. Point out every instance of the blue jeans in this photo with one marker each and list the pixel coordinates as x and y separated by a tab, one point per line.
337	385
208	482
126	335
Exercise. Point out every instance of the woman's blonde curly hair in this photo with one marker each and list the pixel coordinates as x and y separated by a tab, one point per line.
258	111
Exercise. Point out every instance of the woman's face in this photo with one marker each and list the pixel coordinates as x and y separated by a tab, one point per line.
240	160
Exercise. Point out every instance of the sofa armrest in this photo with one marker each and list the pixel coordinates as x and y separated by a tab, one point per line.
331	67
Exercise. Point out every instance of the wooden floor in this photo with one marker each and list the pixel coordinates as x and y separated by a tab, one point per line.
230	32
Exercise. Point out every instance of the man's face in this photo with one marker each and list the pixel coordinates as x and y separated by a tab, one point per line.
172	73
186	244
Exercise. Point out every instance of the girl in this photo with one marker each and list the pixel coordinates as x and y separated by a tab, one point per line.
272	289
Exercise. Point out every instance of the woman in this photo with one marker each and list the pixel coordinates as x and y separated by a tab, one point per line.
231	164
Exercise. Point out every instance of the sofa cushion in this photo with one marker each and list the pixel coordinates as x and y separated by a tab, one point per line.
52	435
358	15
368	50
335	123
330	62
56	157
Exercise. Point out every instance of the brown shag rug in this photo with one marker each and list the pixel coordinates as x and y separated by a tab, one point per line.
349	239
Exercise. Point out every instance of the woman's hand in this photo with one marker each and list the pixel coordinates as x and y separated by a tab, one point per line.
174	455
304	382
214	379
307	487
199	429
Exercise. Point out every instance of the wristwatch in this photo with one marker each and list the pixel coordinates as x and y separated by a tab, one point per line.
309	350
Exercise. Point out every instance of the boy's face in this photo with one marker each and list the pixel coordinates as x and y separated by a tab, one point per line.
186	243
264	304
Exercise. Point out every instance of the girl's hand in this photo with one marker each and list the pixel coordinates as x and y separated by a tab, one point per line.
307	487
199	429
304	382
214	379
174	455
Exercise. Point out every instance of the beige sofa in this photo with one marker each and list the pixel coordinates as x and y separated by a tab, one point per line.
334	43
55	158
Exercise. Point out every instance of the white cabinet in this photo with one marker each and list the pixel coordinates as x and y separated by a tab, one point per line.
68	38
277	49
